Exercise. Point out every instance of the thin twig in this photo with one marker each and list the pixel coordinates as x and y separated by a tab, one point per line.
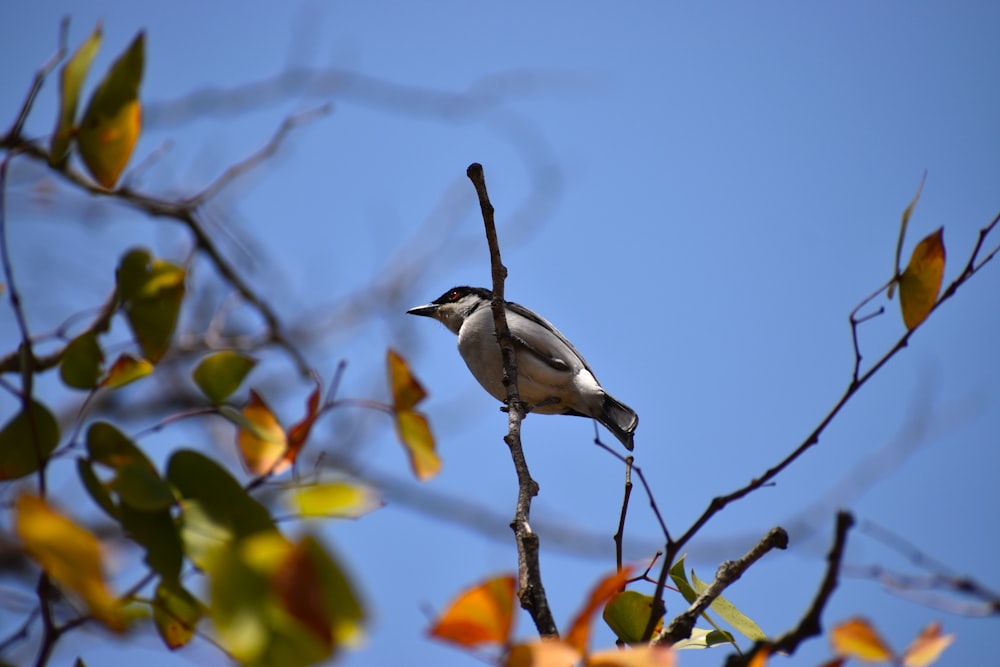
14	133
530	589
728	572
620	534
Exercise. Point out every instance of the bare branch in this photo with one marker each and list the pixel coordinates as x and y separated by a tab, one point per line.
530	589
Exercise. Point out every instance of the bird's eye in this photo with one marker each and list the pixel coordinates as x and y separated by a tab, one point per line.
453	296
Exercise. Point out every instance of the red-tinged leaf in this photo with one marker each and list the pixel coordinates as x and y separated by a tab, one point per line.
296	584
261	441
125	370
856	638
921	281
26	441
543	653
219	375
480	615
299	433
415	433
111	124
68	553
627	614
406	390
927	647
71	79
835	662
579	632
176	613
642	656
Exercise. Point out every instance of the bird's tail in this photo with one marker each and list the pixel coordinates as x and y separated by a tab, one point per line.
620	419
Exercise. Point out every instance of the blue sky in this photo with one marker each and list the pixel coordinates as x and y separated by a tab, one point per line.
696	195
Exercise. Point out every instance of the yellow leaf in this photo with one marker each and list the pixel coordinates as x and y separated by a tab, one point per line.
261	439
343	499
483	614
643	656
579	631
111	124
856	638
126	369
627	614
406	390
415	434
543	653
927	647
68	553
921	281
70	81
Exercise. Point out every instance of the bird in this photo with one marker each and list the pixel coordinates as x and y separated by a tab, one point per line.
552	377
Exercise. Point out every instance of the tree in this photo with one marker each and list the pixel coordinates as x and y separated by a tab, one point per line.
165	321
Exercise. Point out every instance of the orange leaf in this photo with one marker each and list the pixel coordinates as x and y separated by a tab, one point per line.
415	433
406	391
299	433
856	638
921	281
643	656
261	439
481	615
760	658
543	653
68	553
579	631
927	647
126	369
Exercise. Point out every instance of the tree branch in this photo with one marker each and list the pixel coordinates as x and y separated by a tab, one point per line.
728	572
530	589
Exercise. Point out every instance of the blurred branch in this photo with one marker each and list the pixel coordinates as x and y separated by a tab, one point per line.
530	589
186	211
14	133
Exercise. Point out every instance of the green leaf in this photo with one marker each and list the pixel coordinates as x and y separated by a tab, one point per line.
31	435
97	490
73	73
679	577
216	510
82	362
112	448
110	125
158	534
141	488
151	291
176	613
730	614
220	374
627	614
335	499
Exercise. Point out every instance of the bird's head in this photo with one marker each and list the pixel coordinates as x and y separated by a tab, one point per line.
452	307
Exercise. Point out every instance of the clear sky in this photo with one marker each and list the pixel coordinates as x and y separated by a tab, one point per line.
696	194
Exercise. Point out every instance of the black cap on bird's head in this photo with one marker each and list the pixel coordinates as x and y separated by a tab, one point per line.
454	306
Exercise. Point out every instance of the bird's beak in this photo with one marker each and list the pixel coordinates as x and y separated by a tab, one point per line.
429	310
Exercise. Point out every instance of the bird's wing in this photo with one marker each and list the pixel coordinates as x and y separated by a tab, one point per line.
528	330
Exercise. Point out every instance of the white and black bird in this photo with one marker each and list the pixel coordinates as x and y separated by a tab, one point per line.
552	377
